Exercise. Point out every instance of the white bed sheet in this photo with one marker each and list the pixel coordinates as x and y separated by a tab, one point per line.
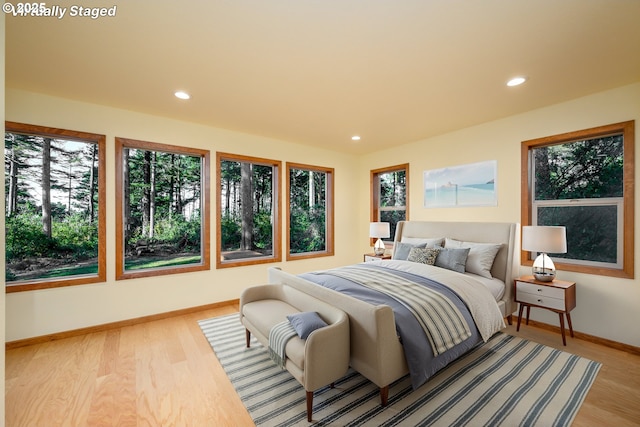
494	285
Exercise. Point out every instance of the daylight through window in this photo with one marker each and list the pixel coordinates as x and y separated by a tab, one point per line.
248	210
163	219
54	207
310	211
584	181
389	189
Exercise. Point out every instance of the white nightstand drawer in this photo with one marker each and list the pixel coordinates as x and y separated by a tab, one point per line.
538	290
558	295
542	301
372	257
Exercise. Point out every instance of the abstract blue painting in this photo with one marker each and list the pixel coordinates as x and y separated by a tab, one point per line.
473	184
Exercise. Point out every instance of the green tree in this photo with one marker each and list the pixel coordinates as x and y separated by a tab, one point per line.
307	221
581	171
246	206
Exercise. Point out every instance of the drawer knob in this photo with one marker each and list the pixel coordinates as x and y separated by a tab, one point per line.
539	300
539	289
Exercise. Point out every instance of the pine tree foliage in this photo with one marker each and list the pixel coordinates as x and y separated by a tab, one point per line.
51	203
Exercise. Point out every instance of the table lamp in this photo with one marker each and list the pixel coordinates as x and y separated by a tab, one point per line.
379	230
544	239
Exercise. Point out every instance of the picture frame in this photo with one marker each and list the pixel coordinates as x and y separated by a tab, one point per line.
467	185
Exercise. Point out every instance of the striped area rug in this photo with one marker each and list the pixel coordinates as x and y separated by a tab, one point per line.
506	382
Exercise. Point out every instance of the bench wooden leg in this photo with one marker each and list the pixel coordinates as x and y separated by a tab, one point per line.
309	405
384	395
247	334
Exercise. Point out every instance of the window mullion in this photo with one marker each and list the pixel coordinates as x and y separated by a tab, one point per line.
599	229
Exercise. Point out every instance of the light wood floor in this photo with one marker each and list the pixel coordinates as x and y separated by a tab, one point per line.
163	373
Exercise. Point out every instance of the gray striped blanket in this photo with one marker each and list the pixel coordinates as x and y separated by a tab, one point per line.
279	336
441	320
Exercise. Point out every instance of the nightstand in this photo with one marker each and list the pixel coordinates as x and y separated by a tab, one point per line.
374	257
558	296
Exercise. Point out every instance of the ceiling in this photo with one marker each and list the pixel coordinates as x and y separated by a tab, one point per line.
319	71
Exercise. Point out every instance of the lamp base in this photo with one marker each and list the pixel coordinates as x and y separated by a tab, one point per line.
379	247
543	268
544	277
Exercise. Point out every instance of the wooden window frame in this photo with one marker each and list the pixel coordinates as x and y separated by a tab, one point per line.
205	264
277	215
329	212
627	130
375	194
100	140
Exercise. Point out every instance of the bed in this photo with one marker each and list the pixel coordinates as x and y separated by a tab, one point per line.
379	350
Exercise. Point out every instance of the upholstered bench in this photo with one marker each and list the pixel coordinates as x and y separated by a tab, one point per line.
318	360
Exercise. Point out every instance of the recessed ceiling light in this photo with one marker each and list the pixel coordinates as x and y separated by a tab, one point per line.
182	95
516	81
355	138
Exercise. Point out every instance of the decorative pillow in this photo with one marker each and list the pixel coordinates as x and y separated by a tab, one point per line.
481	255
306	322
423	255
452	259
423	242
401	250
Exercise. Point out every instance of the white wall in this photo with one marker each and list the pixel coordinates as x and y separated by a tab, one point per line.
42	312
606	307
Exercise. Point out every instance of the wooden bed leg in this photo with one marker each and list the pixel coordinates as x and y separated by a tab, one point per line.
309	405
384	395
247	334
510	319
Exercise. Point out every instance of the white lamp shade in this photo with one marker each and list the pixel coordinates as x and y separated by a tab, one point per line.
545	239
379	230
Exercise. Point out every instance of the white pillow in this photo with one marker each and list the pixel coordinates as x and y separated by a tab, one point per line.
423	242
481	255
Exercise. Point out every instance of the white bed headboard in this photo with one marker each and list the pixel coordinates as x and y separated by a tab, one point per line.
507	261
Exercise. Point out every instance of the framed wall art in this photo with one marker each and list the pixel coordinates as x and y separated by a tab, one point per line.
472	184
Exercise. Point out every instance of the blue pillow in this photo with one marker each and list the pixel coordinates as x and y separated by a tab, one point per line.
306	322
401	250
452	259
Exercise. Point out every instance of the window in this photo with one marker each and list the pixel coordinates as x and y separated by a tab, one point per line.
248	217
162	221
310	211
54	207
389	203
584	181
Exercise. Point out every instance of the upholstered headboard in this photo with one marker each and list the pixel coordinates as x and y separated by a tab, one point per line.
506	263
